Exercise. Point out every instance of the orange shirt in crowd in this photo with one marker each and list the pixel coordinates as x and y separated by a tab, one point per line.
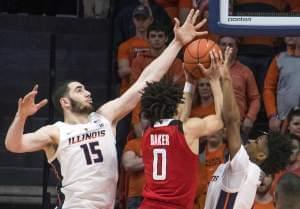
175	74
137	179
172	6
201	111
213	159
269	205
202	187
270	88
208	165
245	90
270	85
129	50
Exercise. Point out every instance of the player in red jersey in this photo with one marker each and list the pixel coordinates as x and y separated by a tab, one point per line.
170	144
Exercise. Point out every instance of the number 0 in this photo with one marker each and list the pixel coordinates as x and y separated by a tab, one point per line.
159	169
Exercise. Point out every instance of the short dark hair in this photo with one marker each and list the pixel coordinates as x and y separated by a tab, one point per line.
157	28
280	149
287	191
61	90
295	111
237	39
160	100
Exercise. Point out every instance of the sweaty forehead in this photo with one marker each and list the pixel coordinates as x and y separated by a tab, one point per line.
73	85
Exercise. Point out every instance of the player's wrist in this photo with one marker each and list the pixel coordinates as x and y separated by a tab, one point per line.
21	116
188	87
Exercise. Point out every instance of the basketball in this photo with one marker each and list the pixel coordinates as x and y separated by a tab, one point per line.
198	52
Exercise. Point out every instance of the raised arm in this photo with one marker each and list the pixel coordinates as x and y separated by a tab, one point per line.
16	140
184	109
118	108
197	127
231	115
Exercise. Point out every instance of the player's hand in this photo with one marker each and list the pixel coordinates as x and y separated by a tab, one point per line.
247	125
213	72
274	124
189	30
27	105
224	68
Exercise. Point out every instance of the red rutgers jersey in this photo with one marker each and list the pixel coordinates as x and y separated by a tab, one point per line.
171	168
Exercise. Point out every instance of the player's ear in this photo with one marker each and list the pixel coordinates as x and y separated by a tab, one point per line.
64	102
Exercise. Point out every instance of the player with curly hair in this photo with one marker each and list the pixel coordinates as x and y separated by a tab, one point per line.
234	184
170	144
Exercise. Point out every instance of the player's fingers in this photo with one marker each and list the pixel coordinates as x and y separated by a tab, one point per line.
177	23
190	15
221	56
20	102
42	103
200	24
202	33
202	68
212	60
35	88
195	16
29	96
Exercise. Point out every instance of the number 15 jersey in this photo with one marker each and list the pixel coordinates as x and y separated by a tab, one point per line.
170	167
86	164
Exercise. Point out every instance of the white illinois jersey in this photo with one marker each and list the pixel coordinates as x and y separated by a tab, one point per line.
86	164
234	184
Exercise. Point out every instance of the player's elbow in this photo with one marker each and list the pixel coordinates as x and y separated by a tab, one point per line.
12	147
219	124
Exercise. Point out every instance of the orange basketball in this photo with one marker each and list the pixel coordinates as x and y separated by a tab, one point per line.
198	52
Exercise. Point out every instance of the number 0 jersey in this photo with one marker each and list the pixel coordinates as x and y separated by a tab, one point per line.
86	164
171	168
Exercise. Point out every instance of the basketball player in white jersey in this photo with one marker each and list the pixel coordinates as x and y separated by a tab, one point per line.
82	147
234	184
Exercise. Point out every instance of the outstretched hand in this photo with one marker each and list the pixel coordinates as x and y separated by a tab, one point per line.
189	30
224	69
213	72
27	105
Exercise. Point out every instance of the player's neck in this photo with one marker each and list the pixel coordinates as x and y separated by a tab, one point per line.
75	118
263	198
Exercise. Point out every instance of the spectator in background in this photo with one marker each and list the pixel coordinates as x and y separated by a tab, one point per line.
124	27
244	86
281	88
96	8
203	102
293	120
214	153
129	49
263	198
294	162
157	37
288	192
